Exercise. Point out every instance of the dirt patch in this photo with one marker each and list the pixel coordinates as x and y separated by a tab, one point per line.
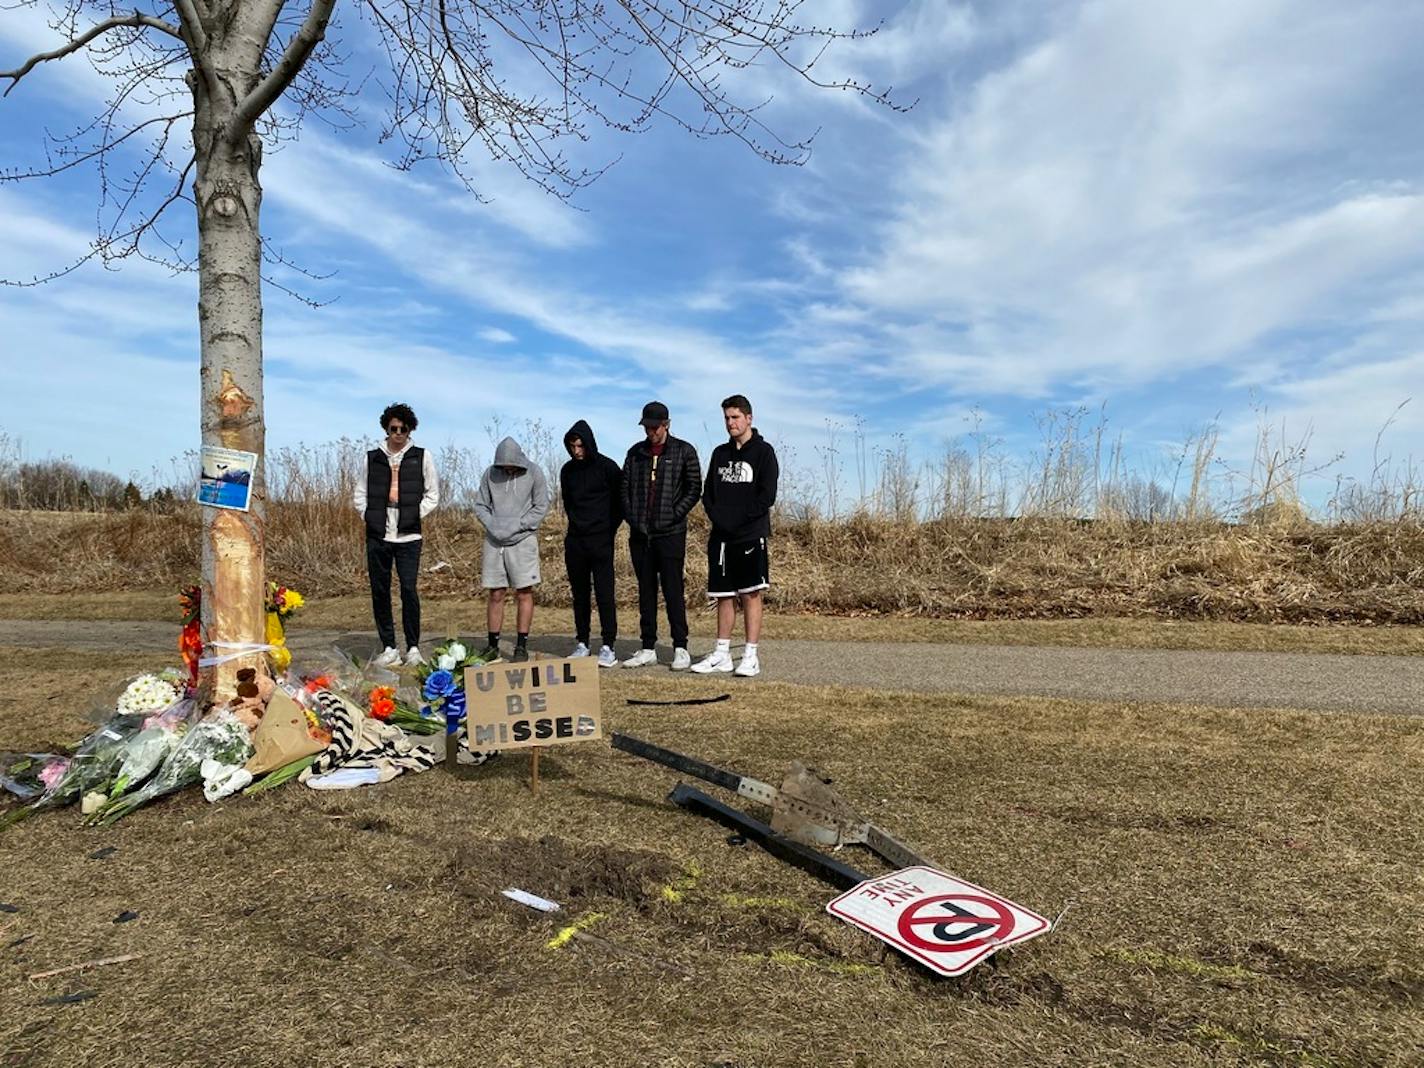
562	871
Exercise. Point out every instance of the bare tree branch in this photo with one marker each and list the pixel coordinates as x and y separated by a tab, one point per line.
137	20
294	57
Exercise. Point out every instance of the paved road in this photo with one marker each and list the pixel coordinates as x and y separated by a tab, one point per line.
1390	684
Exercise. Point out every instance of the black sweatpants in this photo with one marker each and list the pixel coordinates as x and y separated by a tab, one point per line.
585	559
406	557
658	562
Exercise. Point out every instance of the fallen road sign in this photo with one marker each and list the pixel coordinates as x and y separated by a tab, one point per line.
943	922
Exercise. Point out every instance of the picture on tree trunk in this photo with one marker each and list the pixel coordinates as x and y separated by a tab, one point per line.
226	479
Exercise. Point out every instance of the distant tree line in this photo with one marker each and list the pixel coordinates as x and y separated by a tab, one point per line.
62	486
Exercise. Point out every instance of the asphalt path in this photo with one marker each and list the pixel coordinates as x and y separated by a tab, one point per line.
1326	682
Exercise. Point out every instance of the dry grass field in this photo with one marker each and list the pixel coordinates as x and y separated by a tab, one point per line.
969	569
1245	890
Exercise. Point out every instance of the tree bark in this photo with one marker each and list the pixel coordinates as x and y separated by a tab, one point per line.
229	198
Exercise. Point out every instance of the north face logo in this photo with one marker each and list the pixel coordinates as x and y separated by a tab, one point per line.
736	471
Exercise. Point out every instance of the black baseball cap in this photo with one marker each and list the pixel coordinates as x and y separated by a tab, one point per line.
655	413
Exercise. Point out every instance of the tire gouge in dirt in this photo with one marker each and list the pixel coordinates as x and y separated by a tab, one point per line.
804	809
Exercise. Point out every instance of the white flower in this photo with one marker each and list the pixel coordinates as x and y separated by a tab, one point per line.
147	693
446	662
457	651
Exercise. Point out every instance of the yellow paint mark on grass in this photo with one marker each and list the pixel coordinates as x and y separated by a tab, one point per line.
567	934
1257	1046
1155	958
737	901
674	891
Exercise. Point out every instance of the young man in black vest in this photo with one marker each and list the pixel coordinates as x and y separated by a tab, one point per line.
661	482
740	490
399	490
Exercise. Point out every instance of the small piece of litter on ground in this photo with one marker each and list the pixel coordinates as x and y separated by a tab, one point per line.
70	999
84	965
20	941
685	701
126	916
103	854
5	906
534	901
736	839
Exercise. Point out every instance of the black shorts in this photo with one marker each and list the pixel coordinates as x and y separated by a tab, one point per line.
735	567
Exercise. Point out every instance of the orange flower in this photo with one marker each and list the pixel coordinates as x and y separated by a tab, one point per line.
383	702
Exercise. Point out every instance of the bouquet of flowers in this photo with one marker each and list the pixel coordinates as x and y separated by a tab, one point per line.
28	775
89	769
190	638
149	747
281	603
383	703
221	738
150	693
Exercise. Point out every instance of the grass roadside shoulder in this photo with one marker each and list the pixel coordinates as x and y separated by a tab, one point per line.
1194	843
448	614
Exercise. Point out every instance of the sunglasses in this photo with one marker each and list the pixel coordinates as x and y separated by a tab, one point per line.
393	429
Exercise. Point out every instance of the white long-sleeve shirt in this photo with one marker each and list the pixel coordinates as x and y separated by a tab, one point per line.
428	501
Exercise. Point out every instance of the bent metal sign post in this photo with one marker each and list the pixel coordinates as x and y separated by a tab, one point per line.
530	705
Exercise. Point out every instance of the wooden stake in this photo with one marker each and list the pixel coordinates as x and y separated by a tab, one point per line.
86	964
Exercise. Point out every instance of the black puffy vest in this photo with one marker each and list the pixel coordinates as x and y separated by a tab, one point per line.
408	494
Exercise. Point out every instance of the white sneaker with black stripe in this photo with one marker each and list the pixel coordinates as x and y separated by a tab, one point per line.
717	660
750	666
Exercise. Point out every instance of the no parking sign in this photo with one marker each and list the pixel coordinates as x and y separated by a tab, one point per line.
946	924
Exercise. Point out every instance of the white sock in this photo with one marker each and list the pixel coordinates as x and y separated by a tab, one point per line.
724	645
749	649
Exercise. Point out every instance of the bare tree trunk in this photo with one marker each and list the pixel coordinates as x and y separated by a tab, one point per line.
229	198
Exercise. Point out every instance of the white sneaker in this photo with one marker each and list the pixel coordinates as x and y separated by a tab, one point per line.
579	650
681	660
642	658
387	657
413	657
607	657
749	667
717	660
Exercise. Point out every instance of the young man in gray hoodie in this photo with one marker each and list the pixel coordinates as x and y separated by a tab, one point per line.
511	503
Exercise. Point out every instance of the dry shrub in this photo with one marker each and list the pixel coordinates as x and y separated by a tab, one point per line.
953	568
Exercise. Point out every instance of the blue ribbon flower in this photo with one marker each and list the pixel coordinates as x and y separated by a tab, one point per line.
439	684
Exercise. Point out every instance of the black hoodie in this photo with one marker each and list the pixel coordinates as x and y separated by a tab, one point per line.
740	489
590	488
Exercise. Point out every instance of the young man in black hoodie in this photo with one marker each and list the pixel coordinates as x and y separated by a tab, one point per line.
740	490
591	486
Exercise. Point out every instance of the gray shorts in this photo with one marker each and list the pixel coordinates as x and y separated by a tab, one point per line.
514	565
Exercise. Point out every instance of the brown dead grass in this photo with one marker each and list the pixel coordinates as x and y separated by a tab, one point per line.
1245	890
963	569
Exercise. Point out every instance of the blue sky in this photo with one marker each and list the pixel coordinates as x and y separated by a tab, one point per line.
1179	210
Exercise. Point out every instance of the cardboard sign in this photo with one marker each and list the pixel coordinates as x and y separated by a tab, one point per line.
946	924
282	736
542	702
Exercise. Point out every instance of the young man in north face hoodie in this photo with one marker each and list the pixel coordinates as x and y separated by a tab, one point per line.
740	490
511	503
590	484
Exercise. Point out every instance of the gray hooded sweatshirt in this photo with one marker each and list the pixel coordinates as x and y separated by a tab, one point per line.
511	506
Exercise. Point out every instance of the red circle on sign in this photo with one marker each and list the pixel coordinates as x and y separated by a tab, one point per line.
1001	923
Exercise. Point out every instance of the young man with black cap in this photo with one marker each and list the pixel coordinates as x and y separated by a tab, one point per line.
399	490
662	481
591	487
740	490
